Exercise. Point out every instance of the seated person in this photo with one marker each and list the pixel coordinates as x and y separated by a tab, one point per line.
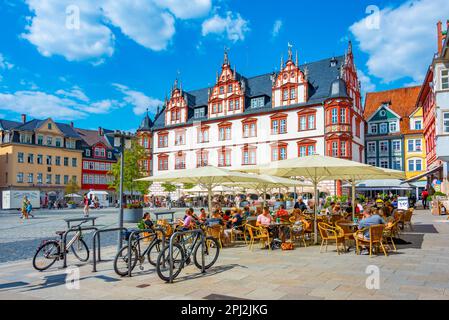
215	220
203	216
369	219
146	222
300	205
188	222
234	223
227	216
264	219
330	210
246	212
282	213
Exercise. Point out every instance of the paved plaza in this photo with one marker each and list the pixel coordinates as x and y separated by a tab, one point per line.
417	271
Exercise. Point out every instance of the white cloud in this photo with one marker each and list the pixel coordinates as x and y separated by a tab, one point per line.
40	105
234	27
74	92
137	99
150	23
276	28
47	30
367	84
405	41
183	9
4	64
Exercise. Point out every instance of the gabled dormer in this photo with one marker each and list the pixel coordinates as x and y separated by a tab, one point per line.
176	111
227	97
290	85
348	73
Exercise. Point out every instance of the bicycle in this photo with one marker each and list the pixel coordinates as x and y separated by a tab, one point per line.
151	252
184	248
52	250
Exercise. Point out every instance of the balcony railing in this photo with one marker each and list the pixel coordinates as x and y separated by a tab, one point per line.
338	128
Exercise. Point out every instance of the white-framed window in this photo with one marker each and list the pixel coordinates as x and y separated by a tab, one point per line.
343	149
393	127
311	122
414	165
383	147
30	178
343	115
335	115
372	162
200	113
417	125
292	93
372	147
373	128
415	145
384	163
302	123
396	146
397	164
383	128
87	152
446	122
445	79
334	149
20	177
257	102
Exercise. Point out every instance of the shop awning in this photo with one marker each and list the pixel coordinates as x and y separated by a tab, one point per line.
425	174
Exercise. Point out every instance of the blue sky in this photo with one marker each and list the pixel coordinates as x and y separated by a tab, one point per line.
122	58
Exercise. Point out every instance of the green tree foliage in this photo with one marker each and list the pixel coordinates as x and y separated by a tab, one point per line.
188	186
169	187
132	171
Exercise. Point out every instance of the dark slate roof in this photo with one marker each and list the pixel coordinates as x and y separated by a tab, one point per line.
32	125
321	75
338	89
92	137
8	125
146	123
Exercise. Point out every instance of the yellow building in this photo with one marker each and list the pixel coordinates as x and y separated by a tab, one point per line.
39	155
414	145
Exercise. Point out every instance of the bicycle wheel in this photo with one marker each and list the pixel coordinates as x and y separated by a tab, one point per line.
46	255
80	250
211	252
154	251
163	262
121	261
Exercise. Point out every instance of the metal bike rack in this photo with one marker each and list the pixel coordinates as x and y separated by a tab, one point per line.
64	240
96	239
136	232
170	249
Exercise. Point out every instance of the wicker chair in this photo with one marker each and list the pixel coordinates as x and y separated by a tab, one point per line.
348	233
257	234
375	240
239	232
217	233
390	232
330	233
407	219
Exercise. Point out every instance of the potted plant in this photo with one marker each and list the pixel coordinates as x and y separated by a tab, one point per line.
71	204
133	212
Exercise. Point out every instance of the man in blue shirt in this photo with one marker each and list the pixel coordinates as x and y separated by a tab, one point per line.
369	219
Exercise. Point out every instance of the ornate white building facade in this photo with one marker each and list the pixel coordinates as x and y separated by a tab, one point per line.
299	111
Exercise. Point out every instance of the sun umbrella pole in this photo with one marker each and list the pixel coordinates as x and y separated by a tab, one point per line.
315	186
353	199
209	198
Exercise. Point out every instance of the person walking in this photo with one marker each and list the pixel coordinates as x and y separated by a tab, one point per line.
29	209
86	202
424	196
24	208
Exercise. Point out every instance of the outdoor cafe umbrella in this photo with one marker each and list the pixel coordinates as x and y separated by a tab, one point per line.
73	195
315	168
206	177
269	182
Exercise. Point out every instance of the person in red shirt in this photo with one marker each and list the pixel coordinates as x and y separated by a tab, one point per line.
424	196
282	212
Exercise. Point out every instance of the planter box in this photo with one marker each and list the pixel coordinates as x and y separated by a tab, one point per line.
132	215
72	206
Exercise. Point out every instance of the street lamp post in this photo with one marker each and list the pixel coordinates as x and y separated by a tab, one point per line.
122	140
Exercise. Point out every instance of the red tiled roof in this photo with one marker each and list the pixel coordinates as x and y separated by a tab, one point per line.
402	101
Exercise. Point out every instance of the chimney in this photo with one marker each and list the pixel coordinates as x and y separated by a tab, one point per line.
24	118
100	131
71	124
440	37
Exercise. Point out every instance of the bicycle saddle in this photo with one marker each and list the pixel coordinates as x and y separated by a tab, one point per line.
60	233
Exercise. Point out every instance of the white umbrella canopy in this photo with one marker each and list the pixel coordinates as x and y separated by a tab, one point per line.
73	195
317	168
207	177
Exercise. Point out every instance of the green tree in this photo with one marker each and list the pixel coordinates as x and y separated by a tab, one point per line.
188	186
132	170
169	187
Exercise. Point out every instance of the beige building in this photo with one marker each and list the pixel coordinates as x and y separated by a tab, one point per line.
39	155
